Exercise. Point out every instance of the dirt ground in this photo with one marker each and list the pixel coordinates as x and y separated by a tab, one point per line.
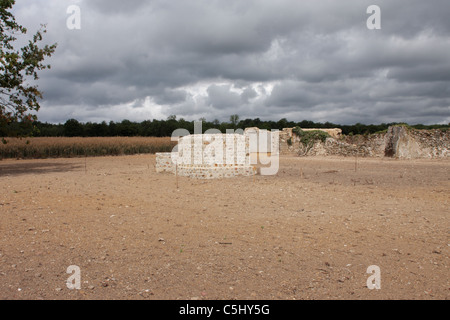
310	232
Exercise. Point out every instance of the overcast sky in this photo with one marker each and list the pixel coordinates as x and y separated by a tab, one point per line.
295	59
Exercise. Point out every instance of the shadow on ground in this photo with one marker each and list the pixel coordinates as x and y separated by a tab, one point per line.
14	169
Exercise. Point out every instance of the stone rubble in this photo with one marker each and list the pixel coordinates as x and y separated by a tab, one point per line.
398	142
212	156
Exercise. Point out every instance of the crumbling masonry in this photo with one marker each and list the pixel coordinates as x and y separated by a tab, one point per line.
212	156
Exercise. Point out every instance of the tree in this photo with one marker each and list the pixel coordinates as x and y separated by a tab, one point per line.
234	119
72	128
282	123
128	128
18	68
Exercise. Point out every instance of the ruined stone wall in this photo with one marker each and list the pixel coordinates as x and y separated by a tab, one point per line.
397	142
208	156
212	156
213	149
263	141
164	162
290	142
372	146
407	143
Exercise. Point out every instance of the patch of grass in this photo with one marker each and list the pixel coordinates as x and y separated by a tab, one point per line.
289	142
405	125
309	138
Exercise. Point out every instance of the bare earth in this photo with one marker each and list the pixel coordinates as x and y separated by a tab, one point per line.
309	232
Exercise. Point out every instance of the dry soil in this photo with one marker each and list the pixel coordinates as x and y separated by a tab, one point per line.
310	232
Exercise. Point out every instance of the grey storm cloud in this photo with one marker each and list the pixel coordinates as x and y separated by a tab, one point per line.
313	60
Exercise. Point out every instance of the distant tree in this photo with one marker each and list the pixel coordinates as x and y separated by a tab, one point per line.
18	67
96	129
234	119
282	123
113	129
72	128
127	128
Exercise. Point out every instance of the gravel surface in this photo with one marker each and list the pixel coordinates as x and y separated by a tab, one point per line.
310	232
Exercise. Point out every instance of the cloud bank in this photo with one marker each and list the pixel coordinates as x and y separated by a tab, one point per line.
313	60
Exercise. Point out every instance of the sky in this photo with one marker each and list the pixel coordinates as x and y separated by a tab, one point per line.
296	59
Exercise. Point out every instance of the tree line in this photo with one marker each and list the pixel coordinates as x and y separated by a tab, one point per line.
165	128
